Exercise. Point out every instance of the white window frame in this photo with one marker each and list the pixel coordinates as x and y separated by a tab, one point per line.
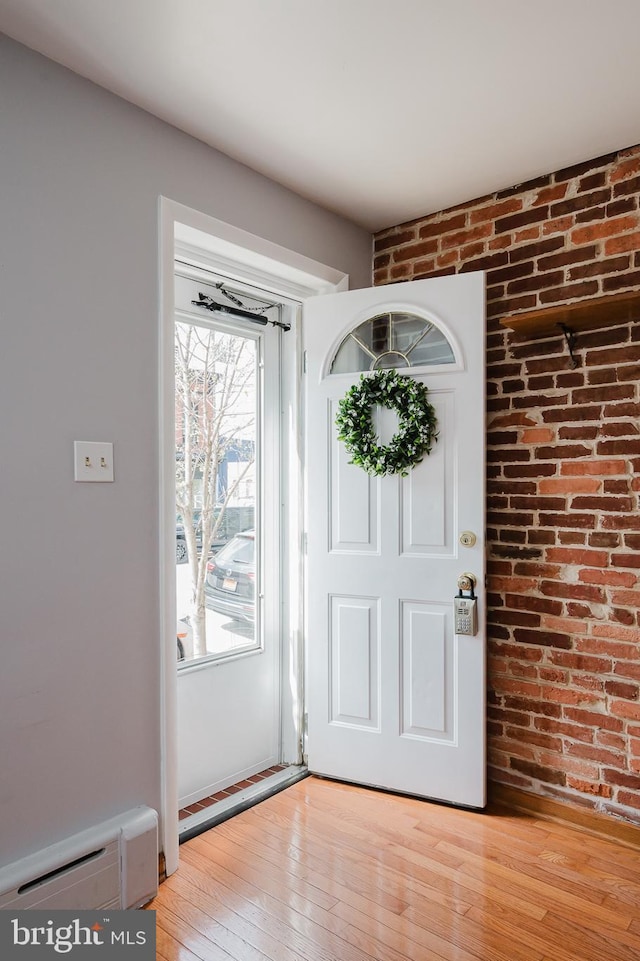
268	471
214	245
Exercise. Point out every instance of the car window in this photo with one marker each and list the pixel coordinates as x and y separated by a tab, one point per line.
239	550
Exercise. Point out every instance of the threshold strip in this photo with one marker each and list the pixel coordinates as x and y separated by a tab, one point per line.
219	807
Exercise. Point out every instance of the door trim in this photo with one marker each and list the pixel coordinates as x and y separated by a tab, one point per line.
214	245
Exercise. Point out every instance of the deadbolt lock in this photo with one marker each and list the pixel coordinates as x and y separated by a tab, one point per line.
468	539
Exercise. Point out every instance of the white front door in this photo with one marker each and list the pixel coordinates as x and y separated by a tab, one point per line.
395	697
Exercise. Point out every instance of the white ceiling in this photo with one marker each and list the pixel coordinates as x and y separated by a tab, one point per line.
381	110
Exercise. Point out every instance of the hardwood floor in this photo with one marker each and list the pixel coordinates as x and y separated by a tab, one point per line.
329	872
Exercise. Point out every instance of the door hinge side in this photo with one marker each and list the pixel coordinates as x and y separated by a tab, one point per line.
305	732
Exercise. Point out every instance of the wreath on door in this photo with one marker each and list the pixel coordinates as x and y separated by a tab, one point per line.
416	432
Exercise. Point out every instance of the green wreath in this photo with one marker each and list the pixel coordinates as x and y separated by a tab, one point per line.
412	440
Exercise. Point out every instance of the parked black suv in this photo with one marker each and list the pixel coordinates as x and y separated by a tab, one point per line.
235	519
230	584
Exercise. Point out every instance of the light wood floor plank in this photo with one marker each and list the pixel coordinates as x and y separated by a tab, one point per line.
402	934
336	891
365	944
187	936
544	887
420	886
168	949
273	916
312	866
242	940
572	941
332	872
446	885
536	864
288	906
373	877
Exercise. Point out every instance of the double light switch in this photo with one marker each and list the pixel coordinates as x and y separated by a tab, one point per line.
93	461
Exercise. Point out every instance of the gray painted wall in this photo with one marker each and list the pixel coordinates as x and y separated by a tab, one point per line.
80	176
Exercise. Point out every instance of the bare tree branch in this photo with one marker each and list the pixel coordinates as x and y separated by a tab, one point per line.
216	379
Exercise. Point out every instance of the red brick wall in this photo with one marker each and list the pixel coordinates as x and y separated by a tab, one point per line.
563	452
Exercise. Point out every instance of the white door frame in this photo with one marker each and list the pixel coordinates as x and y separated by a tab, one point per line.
225	249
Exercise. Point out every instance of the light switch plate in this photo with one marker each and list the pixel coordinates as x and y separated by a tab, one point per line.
93	461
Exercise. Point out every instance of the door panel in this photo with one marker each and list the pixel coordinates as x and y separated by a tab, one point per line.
426	677
354	653
426	524
353	501
395	698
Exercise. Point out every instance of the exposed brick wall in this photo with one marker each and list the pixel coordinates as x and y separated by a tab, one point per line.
563	452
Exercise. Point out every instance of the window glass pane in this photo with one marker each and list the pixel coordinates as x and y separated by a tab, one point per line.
392	340
216	373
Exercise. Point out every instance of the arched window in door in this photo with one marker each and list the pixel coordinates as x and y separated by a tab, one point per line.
392	339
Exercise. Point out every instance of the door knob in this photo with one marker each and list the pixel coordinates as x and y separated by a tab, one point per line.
467	582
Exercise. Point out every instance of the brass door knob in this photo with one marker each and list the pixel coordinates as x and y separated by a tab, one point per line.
467	582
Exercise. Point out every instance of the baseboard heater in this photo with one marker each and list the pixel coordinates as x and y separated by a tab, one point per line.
111	865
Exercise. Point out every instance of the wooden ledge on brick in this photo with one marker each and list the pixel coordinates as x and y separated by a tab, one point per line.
581	315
